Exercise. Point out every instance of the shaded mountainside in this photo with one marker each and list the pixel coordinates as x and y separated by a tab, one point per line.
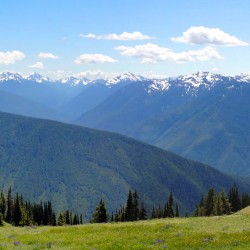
199	118
214	130
75	167
15	104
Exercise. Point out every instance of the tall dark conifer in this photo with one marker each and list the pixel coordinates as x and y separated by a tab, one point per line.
10	207
129	207
234	198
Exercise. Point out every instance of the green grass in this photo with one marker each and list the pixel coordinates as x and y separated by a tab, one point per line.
226	232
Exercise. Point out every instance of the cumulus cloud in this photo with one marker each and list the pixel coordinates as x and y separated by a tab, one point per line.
96	74
93	58
10	57
125	36
37	65
208	36
43	55
152	53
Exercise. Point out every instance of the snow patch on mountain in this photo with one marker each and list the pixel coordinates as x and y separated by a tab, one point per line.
200	78
73	81
9	76
158	85
35	77
127	77
242	78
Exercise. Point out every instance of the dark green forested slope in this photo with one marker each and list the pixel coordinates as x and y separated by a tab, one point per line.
214	130
74	167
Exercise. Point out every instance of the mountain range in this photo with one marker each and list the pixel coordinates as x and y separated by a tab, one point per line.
202	116
75	167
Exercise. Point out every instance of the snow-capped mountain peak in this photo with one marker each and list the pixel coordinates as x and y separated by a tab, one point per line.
125	78
200	78
159	85
9	76
35	77
242	78
73	81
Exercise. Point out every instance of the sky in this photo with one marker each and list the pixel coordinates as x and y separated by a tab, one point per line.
104	38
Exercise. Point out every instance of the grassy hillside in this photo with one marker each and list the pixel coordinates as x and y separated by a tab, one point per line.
75	167
227	232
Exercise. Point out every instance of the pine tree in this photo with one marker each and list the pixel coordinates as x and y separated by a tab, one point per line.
2	204
61	219
153	214
100	214
234	198
209	202
226	206
143	212
17	215
1	219
177	214
129	210
170	205
245	200
135	206
10	207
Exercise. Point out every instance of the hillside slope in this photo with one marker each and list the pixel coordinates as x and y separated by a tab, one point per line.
75	167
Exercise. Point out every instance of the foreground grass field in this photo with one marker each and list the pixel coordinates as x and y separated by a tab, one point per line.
226	232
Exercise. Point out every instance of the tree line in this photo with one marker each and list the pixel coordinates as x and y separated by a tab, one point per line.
221	204
16	211
214	203
134	210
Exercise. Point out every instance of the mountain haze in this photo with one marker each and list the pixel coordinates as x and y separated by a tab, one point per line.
75	167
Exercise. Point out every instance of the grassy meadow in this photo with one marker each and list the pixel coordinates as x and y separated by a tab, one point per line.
225	232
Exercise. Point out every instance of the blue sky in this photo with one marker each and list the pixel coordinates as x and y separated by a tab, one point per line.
102	38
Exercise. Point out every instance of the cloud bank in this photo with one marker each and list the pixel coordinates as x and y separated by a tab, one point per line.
93	59
125	36
10	57
208	36
43	55
37	65
152	53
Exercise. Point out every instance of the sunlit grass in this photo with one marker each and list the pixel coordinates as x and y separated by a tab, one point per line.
226	232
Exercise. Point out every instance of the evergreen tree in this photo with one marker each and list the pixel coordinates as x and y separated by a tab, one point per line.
10	207
217	205
17	215
1	219
61	219
245	200
226	206
143	212
135	206
129	210
153	214
100	214
67	217
234	198
170	205
209	202
177	214
2	204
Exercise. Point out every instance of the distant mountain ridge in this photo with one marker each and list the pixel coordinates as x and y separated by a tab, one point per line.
203	116
75	167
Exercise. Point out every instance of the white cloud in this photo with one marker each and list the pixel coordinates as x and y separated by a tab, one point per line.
94	58
43	55
37	65
208	36
10	57
152	53
125	36
96	74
